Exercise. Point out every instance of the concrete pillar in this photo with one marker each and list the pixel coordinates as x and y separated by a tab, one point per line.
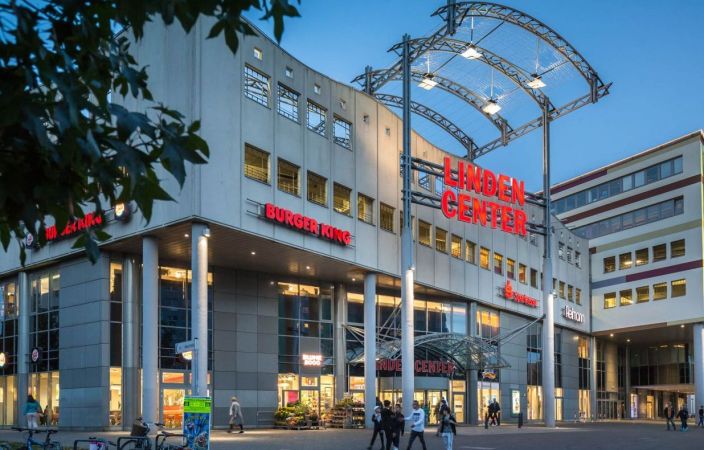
130	342
698	331
548	364
472	375
369	347
627	381
23	297
199	307
592	373
150	330
340	341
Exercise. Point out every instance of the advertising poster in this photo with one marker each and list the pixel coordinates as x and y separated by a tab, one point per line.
515	402
196	422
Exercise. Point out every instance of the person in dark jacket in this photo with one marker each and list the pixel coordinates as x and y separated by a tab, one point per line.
497	413
700	423
447	428
378	430
398	428
669	413
683	415
387	423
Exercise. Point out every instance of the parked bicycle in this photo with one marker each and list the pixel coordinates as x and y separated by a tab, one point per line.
30	442
166	440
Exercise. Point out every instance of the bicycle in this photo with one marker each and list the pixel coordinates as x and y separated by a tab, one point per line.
160	441
48	444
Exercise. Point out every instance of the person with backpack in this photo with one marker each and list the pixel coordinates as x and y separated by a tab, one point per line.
447	428
683	415
378	430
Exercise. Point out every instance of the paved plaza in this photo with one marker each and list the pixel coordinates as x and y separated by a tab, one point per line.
621	436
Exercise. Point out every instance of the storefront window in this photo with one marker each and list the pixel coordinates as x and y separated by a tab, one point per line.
486	392
534	402
44	387
115	396
172	407
458	399
44	320
288	388
355	308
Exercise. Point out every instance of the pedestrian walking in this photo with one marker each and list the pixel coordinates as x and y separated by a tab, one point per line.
387	423
236	417
398	427
683	415
439	411
447	428
497	413
669	413
417	419
700	423
378	430
32	411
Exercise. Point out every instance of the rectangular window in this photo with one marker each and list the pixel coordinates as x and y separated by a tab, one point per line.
316	118
342	132
534	278
625	261
256	164
678	288
288	177
342	199
470	252
659	252
643	294
386	217
578	296
424	231
659	291
484	258
288	103
626	297
570	292
498	263
317	189
642	257
456	246
365	208
258	54
577	259
609	264
677	248
562	290
561	250
288	72
511	268
610	300
316	88
569	255
256	86
440	240
522	273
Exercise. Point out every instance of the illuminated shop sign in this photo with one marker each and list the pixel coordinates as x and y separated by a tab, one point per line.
420	366
306	224
572	314
312	359
510	294
3	360
472	206
73	227
488	374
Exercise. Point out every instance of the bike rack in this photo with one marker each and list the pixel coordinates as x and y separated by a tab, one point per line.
90	440
124	440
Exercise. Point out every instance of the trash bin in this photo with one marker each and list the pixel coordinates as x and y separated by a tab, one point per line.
520	420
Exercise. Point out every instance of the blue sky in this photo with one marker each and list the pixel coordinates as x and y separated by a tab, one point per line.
652	52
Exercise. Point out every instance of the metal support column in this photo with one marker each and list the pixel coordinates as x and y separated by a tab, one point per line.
369	348
472	374
627	382
22	346
548	365
130	342
407	275
592	382
199	307
698	331
340	296
150	333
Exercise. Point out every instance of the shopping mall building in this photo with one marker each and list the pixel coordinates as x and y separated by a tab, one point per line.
297	217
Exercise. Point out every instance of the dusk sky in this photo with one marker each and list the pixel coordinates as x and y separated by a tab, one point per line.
651	51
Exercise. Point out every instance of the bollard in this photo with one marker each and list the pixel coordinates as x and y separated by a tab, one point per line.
520	420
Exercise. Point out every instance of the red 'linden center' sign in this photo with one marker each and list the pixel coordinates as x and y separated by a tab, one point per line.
89	220
510	294
419	366
306	224
467	208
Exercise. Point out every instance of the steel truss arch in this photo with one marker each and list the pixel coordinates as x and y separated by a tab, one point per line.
460	11
435	117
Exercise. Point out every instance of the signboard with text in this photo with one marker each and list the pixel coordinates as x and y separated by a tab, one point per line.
196	422
419	366
510	294
306	224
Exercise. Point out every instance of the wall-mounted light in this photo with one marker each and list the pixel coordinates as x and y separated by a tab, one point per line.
206	232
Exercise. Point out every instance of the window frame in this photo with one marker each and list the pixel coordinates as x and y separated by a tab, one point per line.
368	216
251	147
297	168
283	89
313	107
344	142
383	218
335	186
324	202
258	80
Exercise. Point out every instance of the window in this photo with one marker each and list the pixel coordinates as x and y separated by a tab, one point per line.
456	246
609	264
577	259
643	294
562	290
498	263
561	250
578	296
386	217
258	54
288	72
316	118
642	257
511	268
484	258
365	208
342	132
625	261
256	164
341	199
659	252
569	255
424	231
316	88
288	103
288	177
570	292
440	240
533	278
256	86
470	252
609	300
678	288
659	291
677	248
317	189
626	297
522	273
400	225
635	218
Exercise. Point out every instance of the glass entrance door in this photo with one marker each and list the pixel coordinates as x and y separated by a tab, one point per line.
486	392
458	407
433	398
44	387
172	407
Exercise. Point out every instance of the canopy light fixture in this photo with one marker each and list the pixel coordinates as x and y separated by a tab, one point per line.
491	107
427	82
471	52
536	82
